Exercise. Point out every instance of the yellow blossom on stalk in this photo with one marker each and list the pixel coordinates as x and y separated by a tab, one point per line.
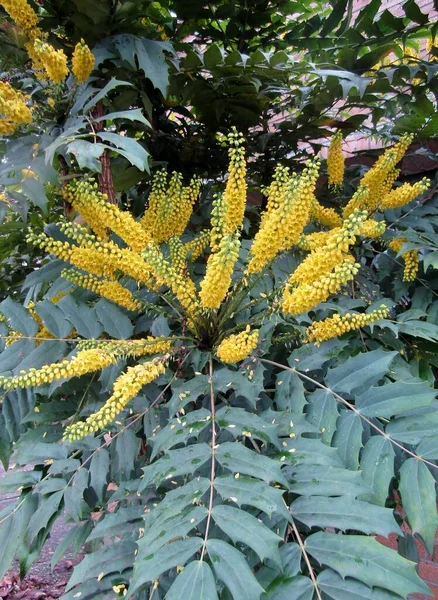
220	266
410	257
13	109
321	331
217	221
87	199
196	247
112	290
335	160
21	12
386	186
333	253
177	254
277	189
306	296
170	206
236	188
315	240
324	215
54	61
237	347
126	387
129	348
82	61
372	228
404	194
282	227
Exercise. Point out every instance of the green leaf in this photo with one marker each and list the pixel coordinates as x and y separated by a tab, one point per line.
240	526
179	431
319	480
46	511
428	448
111	85
377	464
150	567
231	567
427	331
338	588
186	391
411	430
238	459
213	56
249	388
44	354
75	537
310	358
114	558
290	588
129	148
87	154
9	537
166	530
344	513
35	191
99	470
48	272
360	371
113	320
252	492
73	496
53	318
196	582
313	452
18	479
176	463
240	422
37	453
348	438
289	392
365	559
117	524
323	413
19	317
417	489
134	114
395	398
14	354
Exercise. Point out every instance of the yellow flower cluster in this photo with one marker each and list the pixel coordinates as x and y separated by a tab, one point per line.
410	257
21	12
126	387
237	347
220	266
170	206
107	289
165	274
217	220
82	62
277	189
13	109
177	255
85	361
236	188
324	215
196	247
306	296
321	331
335	161
372	228
330	255
374	184
281	228
54	61
313	241
129	348
404	194
95	208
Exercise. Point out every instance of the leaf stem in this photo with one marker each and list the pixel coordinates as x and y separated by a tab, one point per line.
306	558
213	461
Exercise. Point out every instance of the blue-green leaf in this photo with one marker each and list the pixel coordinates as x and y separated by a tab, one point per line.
19	317
395	398
348	438
411	430
338	588
196	582
114	321
323	413
53	318
360	372
239	459
377	464
319	480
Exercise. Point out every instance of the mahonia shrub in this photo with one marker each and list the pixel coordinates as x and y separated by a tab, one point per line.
229	412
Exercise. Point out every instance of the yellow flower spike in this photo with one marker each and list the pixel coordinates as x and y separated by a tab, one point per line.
236	188
107	289
372	228
177	255
277	190
130	348
217	220
324	215
13	109
220	266
237	347
282	227
21	12
196	247
54	61
87	199
335	161
125	388
315	240
82	62
410	257
404	194
321	331
304	297
330	255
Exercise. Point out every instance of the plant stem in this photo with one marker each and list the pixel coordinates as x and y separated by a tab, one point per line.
306	558
213	462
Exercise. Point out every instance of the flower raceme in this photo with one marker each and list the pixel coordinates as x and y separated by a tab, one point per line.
13	109
410	257
82	62
335	161
202	299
